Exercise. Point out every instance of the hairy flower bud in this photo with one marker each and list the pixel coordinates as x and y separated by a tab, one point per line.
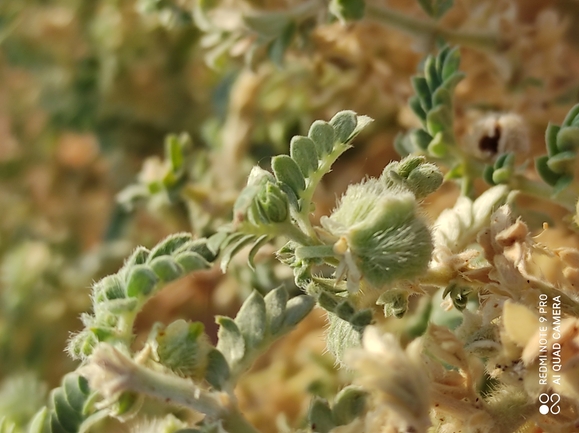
385	236
183	347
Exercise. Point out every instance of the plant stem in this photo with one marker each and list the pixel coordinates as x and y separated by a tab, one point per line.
431	29
566	198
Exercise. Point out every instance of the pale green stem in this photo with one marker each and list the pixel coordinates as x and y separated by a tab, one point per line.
111	372
431	29
566	199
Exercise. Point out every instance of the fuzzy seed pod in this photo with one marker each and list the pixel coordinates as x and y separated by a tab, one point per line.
385	236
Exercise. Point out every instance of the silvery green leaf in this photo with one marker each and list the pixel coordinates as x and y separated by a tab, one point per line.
362	122
551	139
251	320
138	257
260	242
214	242
275	304
431	75
297	309
303	152
166	268
320	416
423	92
548	175
451	63
457	227
416	106
191	261
568	138
571	116
169	244
141	281
344	124
76	391
233	248
231	343
349	404
217	372
41	422
67	417
323	136
287	171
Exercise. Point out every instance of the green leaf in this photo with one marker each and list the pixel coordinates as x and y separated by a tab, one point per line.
440	58
344	124
141	281
439	119
350	403
432	78
320	416
420	138
251	320
68	418
571	116
442	96
551	139
191	261
297	309
423	92
56	427
76	391
451	82
233	249
416	107
287	171
260	242
323	136
548	175
138	257
169	245
166	268
41	422
231	343
217	372
563	162
438	147
568	138
275	304
303	152
436	8
488	174
451	64
347	10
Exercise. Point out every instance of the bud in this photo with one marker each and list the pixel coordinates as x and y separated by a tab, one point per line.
415	174
273	203
386	237
183	347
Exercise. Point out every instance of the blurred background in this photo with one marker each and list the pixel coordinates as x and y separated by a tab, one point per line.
122	121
